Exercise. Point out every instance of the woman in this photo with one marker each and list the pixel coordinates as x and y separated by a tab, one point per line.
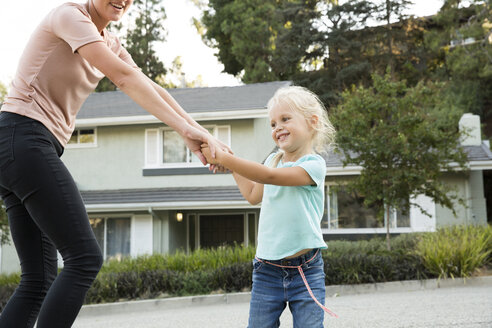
68	53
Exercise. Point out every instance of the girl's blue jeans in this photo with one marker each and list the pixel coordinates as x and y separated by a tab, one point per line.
275	287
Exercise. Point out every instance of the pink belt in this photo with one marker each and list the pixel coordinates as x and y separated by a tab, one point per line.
299	268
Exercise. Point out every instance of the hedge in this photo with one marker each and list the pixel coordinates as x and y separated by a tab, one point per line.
229	269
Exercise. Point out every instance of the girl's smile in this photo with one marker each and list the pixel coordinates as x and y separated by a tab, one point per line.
291	132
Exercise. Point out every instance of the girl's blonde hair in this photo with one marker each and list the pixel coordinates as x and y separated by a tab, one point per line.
308	104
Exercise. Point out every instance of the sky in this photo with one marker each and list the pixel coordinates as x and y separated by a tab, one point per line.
19	18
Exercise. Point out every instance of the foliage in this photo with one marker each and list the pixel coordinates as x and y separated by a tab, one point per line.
462	44
404	138
200	259
176	78
229	269
244	31
3	92
456	251
4	225
324	45
147	18
8	284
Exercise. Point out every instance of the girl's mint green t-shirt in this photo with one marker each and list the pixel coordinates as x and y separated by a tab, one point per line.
290	217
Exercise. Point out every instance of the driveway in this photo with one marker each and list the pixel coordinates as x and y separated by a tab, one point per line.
459	305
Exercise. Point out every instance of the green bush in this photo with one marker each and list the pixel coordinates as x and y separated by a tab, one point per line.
8	284
369	261
456	251
201	259
452	252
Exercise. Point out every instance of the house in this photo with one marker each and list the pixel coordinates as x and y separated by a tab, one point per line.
145	193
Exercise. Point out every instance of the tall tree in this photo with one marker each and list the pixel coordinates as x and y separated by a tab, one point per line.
244	31
463	44
392	11
337	47
404	138
146	28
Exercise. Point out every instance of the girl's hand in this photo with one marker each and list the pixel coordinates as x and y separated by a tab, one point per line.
194	138
207	153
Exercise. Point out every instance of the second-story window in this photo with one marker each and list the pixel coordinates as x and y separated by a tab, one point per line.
83	138
166	148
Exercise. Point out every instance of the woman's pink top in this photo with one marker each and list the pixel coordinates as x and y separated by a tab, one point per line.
52	80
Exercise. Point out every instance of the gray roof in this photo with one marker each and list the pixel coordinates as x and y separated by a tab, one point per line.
124	196
475	153
193	100
478	153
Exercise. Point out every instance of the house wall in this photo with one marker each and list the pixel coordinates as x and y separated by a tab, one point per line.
460	186
118	159
9	262
477	198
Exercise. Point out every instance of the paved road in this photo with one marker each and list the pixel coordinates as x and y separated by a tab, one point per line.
460	307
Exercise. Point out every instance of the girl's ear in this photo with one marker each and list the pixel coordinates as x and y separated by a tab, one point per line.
314	121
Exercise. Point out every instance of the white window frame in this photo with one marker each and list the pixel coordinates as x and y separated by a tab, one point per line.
393	228
83	145
154	155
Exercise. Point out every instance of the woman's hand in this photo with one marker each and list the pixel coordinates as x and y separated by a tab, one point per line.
194	138
207	153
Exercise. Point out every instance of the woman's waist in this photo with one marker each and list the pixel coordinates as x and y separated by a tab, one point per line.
8	118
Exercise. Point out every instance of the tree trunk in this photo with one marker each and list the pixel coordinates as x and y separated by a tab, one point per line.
388	245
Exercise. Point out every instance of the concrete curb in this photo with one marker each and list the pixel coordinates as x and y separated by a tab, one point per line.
331	291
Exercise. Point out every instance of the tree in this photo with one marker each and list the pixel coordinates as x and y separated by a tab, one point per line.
146	28
244	31
337	46
176	78
390	9
404	138
3	92
4	226
462	43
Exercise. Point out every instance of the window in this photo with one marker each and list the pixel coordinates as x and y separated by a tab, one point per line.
165	147
347	210
113	236
83	138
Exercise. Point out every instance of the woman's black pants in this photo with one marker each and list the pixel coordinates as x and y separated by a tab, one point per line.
46	214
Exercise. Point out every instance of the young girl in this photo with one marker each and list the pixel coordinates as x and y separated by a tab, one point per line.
288	267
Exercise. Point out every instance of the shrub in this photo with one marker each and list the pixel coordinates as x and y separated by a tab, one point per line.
456	251
448	252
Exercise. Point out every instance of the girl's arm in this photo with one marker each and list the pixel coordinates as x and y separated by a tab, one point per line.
251	191
286	176
135	84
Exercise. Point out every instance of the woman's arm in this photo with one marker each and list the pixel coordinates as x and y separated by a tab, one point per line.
286	176
136	85
174	105
181	112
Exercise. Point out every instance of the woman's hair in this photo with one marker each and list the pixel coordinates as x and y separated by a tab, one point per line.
308	104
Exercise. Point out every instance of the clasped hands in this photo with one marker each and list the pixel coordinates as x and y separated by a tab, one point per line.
214	161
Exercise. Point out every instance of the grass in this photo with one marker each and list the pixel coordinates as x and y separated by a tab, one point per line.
457	251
